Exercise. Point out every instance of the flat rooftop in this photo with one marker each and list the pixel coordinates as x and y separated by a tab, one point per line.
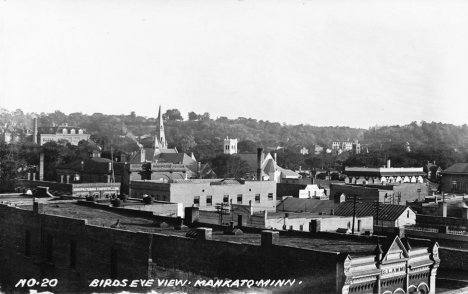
105	218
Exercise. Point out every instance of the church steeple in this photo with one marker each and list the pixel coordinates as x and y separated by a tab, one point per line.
160	138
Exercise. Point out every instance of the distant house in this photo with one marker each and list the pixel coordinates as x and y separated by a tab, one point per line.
270	171
454	179
433	171
389	215
313	191
11	133
304	151
71	134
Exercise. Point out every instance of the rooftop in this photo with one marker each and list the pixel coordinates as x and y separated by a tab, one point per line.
457	168
104	218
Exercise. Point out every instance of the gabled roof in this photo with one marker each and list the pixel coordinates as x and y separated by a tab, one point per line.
457	168
166	156
251	159
387	212
289	173
96	165
292	204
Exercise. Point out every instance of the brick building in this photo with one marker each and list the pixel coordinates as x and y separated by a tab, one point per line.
360	175
71	134
454	179
48	241
206	193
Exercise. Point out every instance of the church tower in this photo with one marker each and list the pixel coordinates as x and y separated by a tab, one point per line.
160	138
230	146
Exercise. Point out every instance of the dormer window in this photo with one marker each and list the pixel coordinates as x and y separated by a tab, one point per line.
72	131
64	131
80	132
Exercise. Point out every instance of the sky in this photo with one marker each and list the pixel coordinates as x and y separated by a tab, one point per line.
357	63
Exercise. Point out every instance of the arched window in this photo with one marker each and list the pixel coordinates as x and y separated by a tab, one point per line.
72	131
64	131
80	132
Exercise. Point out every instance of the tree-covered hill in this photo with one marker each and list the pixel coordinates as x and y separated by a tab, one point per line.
203	135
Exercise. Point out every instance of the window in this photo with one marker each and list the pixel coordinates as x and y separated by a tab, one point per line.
50	244
209	200
196	201
72	254
72	131
301	227
80	132
239	198
257	198
226	199
64	131
270	196
27	252
407	214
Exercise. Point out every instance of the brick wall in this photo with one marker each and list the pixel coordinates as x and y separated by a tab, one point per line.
185	193
447	185
93	249
283	189
366	194
104	253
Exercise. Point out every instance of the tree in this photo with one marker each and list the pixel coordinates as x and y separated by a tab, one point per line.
172	114
12	165
192	116
187	142
247	146
229	166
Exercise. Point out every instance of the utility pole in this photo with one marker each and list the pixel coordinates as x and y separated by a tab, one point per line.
354	210
377	206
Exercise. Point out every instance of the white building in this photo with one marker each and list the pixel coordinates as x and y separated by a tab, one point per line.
313	191
230	146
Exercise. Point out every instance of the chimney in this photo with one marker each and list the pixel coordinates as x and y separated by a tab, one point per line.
41	167
269	238
464	212
259	163
442	209
35	130
142	155
388	163
38	207
204	234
